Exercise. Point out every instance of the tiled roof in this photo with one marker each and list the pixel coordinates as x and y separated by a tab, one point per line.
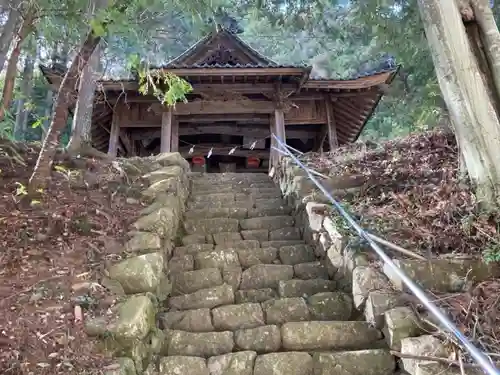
356	76
266	62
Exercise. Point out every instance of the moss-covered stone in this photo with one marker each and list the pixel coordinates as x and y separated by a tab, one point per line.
139	274
136	318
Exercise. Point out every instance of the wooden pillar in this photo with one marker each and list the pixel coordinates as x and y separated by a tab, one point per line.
277	125
114	134
166	131
175	135
272	152
279	118
332	129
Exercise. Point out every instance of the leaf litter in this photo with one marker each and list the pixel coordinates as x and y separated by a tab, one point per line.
412	194
52	251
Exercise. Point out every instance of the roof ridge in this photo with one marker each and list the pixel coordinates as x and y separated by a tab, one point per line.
246	49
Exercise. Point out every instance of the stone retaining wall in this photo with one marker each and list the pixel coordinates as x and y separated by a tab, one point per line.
129	331
379	295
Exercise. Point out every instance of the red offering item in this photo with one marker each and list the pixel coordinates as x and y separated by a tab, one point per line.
198	160
253	162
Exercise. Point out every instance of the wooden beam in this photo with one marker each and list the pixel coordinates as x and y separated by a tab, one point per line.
166	131
236	72
114	134
256	132
206	119
332	129
218	107
175	135
242	88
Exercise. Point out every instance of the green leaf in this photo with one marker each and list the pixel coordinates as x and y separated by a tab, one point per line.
97	27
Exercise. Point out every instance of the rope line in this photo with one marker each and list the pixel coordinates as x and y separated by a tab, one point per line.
479	356
230	150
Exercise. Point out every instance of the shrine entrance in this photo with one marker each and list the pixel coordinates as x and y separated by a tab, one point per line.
239	98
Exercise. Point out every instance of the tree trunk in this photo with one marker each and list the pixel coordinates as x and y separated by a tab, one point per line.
60	116
472	113
49	97
82	118
10	74
8	31
26	89
490	37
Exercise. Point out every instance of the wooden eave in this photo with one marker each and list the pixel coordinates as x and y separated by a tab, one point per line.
352	113
353	101
360	83
235	72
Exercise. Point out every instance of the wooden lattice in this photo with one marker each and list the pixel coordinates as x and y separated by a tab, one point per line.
221	55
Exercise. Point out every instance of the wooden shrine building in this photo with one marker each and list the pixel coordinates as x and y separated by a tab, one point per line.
239	98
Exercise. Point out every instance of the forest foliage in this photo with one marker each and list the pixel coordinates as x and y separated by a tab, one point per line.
340	39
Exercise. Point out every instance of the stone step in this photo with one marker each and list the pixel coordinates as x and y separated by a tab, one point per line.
207	213
248	362
255	308
296	254
259	205
252	257
264	339
265	191
255	234
210	226
331	335
283	310
223	238
302	288
192	281
267	194
219	204
232	188
248	211
213	197
242	327
240	316
192	249
232	276
181	263
285	234
199	320
198	344
266	276
192	239
280	244
269	202
327	306
239	245
224	258
270	223
255	295
231	176
204	298
216	259
310	270
263	210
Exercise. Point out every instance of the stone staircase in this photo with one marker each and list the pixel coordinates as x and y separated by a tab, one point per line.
249	296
